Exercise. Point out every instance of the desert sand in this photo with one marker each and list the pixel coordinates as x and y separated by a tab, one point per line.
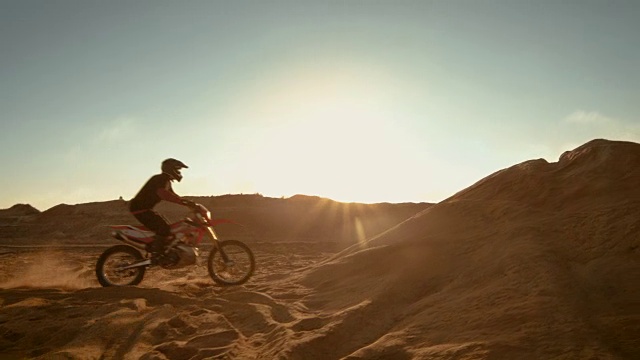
540	260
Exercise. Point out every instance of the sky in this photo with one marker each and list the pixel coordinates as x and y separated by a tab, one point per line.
357	101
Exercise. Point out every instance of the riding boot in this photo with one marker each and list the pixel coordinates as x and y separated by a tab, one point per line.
158	245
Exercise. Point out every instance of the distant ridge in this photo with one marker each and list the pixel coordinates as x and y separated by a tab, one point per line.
300	218
19	210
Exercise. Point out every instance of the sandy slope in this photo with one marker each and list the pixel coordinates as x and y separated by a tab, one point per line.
53	307
537	261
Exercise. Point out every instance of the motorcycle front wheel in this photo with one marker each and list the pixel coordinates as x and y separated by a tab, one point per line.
232	263
109	268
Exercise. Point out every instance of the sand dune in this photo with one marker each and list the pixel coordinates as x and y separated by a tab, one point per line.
537	261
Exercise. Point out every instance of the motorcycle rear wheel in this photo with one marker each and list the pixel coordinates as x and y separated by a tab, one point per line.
108	267
237	269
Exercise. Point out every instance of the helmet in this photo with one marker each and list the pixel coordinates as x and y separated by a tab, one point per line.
172	168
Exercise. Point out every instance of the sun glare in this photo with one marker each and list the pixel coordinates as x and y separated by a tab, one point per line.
330	135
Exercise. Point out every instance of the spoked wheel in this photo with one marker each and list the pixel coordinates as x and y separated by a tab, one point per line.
232	263
109	268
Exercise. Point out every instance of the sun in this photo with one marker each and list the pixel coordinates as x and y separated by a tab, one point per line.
327	132
333	146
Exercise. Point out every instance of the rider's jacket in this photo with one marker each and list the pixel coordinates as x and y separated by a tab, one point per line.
149	196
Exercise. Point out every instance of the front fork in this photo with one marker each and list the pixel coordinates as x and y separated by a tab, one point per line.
216	244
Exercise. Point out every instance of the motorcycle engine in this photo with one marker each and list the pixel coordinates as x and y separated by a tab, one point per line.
180	256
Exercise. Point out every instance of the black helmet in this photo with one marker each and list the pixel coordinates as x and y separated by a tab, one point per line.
172	168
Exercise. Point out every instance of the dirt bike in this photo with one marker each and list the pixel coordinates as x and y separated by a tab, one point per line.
230	262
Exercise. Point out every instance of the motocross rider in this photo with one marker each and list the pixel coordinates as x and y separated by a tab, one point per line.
158	188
